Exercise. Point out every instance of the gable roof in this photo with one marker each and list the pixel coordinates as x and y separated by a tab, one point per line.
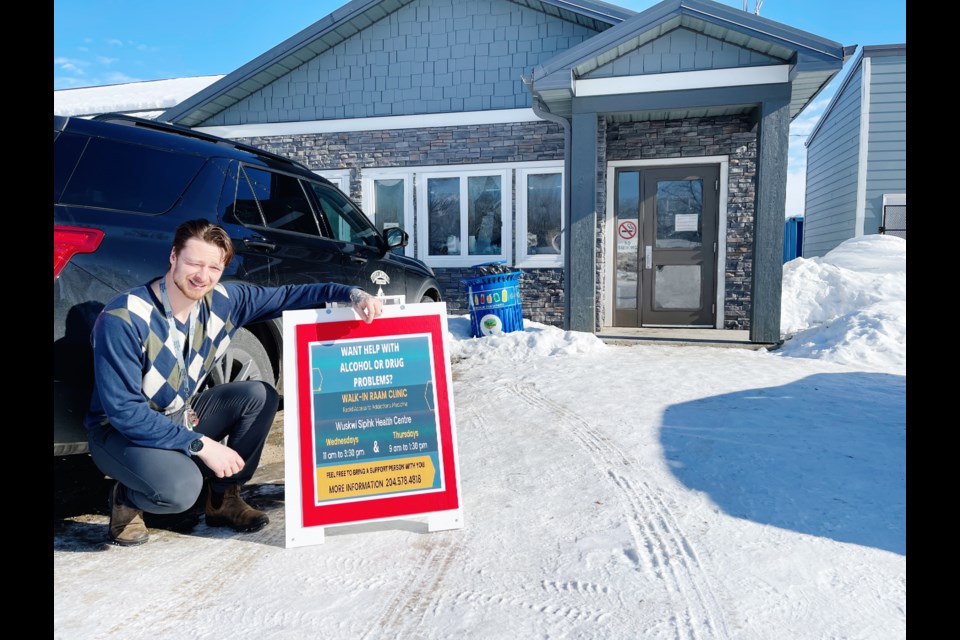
814	60
333	29
869	51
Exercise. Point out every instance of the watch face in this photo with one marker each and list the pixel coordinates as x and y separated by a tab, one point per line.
196	445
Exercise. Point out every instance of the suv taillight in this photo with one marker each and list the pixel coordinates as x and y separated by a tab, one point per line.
68	241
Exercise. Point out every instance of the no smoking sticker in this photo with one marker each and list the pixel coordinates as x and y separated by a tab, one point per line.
627	229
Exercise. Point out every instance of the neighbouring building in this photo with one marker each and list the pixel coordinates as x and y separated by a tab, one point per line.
857	155
632	165
147	99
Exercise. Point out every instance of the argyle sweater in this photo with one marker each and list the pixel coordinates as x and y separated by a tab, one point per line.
136	372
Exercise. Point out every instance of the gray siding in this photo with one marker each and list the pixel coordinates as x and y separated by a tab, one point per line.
682	50
887	138
832	159
430	56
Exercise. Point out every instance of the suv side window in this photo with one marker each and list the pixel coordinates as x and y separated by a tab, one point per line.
245	209
282	201
347	224
66	149
129	177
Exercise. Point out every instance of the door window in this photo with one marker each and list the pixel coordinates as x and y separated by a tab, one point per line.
677	287
679	214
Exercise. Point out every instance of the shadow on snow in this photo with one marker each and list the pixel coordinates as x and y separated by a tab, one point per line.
825	455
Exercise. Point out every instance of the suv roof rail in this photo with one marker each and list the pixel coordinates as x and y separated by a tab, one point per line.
124	119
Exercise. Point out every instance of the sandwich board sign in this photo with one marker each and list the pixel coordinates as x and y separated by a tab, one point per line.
369	426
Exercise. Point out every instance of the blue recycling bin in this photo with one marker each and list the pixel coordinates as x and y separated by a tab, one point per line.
793	238
494	301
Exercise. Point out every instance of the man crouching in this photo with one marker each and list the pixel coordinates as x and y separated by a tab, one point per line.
149	426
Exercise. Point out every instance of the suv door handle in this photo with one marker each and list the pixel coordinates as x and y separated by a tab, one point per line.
259	243
358	260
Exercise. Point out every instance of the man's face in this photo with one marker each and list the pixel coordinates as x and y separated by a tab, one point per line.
197	269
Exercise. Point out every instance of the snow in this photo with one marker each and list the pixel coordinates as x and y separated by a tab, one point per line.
145	99
850	306
609	492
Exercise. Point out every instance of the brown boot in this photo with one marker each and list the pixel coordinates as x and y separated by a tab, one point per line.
234	512
126	523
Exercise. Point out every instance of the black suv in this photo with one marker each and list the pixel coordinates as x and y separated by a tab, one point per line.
121	186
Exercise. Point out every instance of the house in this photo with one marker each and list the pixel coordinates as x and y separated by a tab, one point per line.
632	165
857	155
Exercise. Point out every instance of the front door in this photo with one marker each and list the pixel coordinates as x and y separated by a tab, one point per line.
666	250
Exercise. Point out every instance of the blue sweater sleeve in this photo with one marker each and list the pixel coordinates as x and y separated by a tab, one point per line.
253	303
118	359
117	393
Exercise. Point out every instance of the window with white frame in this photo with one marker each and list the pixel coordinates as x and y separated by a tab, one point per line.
388	201
464	217
339	177
464	214
540	216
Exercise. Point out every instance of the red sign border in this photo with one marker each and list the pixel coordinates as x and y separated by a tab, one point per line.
374	508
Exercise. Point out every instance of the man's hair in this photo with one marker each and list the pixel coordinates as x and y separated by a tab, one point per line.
205	231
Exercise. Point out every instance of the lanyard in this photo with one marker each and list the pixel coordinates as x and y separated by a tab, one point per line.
184	375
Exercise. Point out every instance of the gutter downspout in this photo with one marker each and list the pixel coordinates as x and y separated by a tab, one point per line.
541	111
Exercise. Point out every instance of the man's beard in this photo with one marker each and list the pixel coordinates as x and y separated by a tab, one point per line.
187	290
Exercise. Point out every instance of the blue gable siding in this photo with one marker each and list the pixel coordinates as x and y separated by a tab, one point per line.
682	50
857	152
430	56
887	137
832	160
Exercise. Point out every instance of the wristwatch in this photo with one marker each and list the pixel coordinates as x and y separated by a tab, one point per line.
196	446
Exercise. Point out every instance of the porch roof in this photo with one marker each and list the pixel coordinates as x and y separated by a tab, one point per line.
808	62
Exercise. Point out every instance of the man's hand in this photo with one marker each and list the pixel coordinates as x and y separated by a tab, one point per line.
222	460
367	306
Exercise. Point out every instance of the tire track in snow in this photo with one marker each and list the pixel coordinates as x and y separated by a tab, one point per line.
204	590
575	586
559	615
663	550
564	614
405	612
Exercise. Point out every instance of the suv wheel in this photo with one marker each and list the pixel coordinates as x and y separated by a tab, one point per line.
245	359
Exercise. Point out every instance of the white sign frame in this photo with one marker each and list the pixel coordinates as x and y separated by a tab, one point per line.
305	517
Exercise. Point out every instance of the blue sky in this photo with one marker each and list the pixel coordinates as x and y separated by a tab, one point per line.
99	42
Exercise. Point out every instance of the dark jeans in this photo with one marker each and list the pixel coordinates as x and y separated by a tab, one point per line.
165	481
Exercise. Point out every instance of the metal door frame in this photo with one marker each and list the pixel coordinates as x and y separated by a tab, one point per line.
610	237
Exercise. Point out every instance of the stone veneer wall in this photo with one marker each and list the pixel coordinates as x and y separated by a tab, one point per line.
733	136
600	317
541	290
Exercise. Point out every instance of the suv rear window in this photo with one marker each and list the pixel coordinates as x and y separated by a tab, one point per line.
128	177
